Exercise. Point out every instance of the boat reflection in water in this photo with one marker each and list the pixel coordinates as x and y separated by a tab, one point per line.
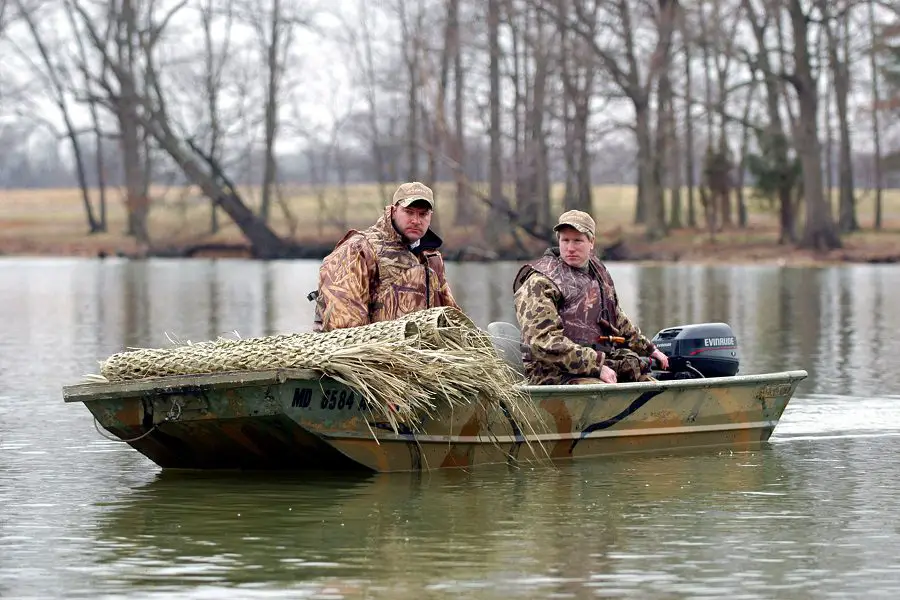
563	528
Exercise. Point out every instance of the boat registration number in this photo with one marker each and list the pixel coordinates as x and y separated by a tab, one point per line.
342	399
774	390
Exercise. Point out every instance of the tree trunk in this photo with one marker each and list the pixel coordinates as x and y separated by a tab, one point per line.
136	200
689	166
707	81
655	151
577	81
496	220
582	124
742	161
100	164
440	118
59	98
539	139
411	57
724	54
775	128
264	242
876	129
819	231
532	177
661	143
520	89
273	63
841	69
212	85
465	213
381	166
570	192
99	158
647	169
829	143
94	226
674	168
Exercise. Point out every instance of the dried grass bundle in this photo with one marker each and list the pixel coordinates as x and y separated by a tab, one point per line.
405	369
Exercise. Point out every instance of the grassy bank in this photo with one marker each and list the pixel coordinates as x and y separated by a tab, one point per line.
53	222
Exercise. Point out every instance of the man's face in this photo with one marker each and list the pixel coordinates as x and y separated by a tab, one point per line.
412	221
575	248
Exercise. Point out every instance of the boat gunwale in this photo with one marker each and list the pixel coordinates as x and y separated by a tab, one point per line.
175	384
602	388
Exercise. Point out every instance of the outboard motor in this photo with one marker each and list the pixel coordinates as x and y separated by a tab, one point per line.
699	350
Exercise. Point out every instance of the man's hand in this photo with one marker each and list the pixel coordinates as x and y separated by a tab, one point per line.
607	375
661	358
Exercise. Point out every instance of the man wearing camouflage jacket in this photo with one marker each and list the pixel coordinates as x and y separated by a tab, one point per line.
386	271
564	302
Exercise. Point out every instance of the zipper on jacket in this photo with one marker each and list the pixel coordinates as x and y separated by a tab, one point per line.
427	284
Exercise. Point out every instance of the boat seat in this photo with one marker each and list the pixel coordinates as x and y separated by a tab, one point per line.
507	339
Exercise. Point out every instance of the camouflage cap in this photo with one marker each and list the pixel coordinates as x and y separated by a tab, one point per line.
410	192
581	221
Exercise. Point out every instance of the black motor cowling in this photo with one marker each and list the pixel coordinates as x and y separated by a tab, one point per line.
698	350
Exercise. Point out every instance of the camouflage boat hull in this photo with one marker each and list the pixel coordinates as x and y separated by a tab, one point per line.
289	419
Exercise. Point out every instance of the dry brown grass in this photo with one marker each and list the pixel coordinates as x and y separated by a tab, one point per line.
408	369
52	221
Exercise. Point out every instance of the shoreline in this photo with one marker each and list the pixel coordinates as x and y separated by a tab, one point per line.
52	223
682	247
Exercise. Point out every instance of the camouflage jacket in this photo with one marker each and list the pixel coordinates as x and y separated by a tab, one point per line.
557	307
373	276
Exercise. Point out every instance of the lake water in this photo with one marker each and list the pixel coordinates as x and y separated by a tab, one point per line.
813	514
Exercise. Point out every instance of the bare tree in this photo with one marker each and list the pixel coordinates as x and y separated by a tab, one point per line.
665	133
94	108
828	124
577	74
144	109
274	26
496	218
717	39
449	47
215	59
531	80
746	128
130	43
465	215
876	102
673	167
55	76
819	232
774	130
636	81
689	166
412	43
837	31
362	44
521	98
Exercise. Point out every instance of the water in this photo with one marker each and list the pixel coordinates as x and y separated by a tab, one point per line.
810	515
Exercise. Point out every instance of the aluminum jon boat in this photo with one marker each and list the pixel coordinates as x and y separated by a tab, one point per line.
295	419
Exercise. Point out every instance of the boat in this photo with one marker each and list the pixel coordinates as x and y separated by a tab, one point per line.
296	419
